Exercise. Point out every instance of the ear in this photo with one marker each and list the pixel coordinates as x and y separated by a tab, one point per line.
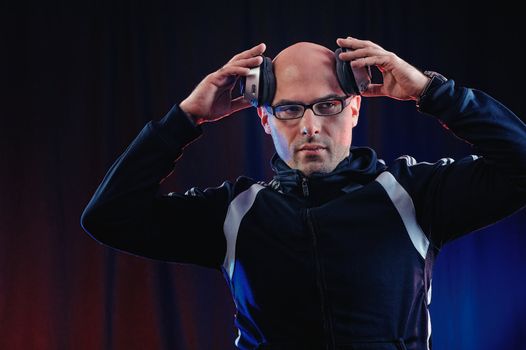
354	105
263	114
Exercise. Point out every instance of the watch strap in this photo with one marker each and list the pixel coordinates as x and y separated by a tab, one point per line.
436	80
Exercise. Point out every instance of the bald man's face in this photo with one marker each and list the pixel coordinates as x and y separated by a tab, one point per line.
305	73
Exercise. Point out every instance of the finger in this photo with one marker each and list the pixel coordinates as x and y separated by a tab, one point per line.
374	90
361	53
219	76
344	42
241	67
379	61
354	43
246	62
232	70
239	103
254	51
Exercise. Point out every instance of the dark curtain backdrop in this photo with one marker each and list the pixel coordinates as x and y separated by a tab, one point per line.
78	83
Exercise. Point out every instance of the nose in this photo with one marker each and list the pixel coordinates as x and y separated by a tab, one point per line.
310	124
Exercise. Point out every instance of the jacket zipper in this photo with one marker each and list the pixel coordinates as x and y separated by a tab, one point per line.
320	279
305	186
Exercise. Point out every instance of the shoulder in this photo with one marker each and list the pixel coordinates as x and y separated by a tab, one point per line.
411	173
407	161
410	163
414	175
228	190
408	166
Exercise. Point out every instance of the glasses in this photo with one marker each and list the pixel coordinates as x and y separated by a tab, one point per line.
331	106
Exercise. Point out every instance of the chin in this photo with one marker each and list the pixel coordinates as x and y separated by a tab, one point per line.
309	169
309	164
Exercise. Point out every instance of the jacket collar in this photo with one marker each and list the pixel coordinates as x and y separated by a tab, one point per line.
359	168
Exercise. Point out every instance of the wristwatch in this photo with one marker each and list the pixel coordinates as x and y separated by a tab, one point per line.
436	79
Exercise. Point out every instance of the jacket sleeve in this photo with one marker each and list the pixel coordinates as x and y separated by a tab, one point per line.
471	193
127	211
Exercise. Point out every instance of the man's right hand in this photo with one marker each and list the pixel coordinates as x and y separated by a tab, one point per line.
212	100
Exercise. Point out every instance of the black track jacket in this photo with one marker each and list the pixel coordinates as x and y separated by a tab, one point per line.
335	261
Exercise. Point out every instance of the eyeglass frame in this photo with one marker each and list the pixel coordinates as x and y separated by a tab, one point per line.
342	99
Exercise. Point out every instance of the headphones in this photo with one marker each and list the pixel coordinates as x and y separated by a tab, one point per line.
259	86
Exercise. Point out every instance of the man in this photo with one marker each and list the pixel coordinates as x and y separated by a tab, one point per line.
336	252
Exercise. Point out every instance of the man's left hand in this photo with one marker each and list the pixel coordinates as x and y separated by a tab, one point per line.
401	80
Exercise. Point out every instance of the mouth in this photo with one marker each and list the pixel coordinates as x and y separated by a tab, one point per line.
312	148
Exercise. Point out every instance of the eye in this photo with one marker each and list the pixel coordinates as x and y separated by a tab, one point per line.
328	107
289	110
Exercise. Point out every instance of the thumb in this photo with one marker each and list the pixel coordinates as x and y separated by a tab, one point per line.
239	103
374	90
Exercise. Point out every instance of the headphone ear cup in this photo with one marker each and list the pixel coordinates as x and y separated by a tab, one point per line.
267	82
259	86
345	75
352	81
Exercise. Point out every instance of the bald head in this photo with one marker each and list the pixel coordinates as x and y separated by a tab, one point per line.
305	67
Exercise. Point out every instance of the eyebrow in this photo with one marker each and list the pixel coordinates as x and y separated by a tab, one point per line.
292	102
